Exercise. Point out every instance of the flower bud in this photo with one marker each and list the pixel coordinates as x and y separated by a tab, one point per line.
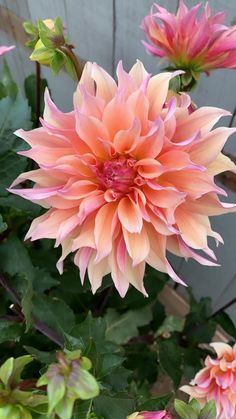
51	37
14	402
68	380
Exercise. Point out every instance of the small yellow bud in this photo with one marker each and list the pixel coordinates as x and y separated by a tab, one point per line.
49	23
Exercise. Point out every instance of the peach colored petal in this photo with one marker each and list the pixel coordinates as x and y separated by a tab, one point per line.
138	73
150	145
54	116
105	223
91	130
87	82
124	139
137	245
117	107
81	259
157	92
105	85
96	272
129	215
221	164
221	348
214	140
203	118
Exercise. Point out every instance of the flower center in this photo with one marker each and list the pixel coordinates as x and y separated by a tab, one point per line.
117	174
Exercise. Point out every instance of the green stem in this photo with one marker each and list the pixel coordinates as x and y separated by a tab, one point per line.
67	49
37	95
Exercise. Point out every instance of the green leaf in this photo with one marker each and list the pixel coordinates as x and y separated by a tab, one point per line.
42	356
55	391
142	360
209	411
3	225
91	328
110	362
83	409
195	405
170	358
171	324
26	304
10	167
10	331
14	114
185	411
158	403
199	326
117	380
158	314
45	34
192	362
30	91
117	407
30	28
57	61
226	323
9	86
54	313
122	327
84	385
6	370
19	365
43	55
15	258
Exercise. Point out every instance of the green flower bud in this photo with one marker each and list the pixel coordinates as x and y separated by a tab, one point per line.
67	381
14	402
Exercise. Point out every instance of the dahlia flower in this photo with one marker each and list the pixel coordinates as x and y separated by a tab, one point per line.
189	42
217	381
4	50
126	176
161	414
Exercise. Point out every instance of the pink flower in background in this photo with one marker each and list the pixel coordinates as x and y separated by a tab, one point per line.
190	42
161	414
217	381
126	176
4	50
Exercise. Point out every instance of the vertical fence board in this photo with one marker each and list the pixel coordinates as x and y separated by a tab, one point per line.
128	34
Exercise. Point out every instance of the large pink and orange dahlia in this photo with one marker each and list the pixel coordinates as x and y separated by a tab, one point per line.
217	381
199	43
126	176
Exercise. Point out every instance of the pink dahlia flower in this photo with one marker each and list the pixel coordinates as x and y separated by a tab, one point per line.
126	176
4	50
161	414
189	42
217	381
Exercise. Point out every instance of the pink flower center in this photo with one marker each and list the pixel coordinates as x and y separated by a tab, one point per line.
117	174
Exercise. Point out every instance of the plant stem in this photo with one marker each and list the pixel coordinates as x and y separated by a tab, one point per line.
4	283
67	49
46	331
104	302
37	324
37	95
227	305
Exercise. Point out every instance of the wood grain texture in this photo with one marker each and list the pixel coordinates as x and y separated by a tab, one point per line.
128	35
